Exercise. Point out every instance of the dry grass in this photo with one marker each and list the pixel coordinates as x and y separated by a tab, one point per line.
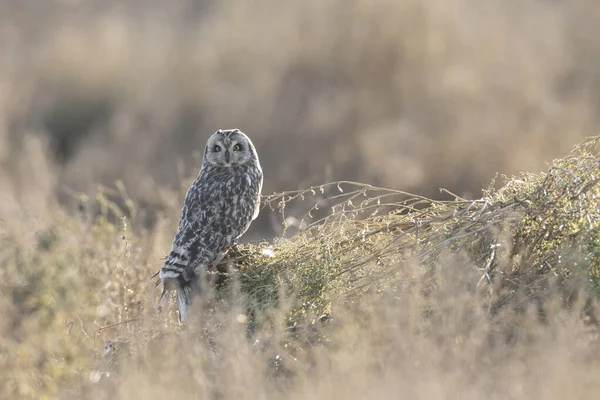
365	292
384	294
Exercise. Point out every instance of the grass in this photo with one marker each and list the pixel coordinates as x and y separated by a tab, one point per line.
365	292
374	292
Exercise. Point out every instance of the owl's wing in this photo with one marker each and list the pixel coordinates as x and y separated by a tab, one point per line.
193	248
178	264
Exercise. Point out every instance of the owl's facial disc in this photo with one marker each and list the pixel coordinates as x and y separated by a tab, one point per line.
228	148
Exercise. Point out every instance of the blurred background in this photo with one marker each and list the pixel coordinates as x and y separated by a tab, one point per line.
408	94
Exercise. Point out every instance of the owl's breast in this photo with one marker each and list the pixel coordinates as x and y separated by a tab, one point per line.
229	197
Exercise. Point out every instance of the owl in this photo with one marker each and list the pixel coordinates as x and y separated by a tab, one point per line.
219	206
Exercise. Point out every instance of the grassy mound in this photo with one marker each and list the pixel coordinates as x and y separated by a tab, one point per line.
363	266
535	231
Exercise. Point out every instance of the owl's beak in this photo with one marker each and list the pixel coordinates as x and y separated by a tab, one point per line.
227	156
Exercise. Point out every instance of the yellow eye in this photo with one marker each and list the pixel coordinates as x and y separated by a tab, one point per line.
237	147
217	148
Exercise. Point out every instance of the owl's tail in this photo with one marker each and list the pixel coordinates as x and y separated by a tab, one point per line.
184	298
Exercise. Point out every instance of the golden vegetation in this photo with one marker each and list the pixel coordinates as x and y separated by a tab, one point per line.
365	291
384	285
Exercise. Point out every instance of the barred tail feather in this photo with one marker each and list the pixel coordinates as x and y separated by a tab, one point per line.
184	298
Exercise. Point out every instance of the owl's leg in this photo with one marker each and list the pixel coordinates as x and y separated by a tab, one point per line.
220	270
219	258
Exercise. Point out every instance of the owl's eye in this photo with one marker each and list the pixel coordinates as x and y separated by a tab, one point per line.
217	148
237	147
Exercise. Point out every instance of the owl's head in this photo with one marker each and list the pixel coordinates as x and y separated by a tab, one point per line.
229	147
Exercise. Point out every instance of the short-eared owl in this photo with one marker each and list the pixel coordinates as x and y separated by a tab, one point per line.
218	208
